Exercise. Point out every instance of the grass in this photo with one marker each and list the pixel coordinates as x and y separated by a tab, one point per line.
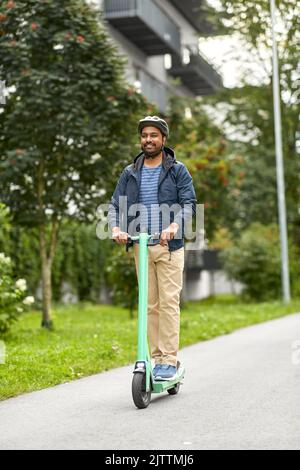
88	339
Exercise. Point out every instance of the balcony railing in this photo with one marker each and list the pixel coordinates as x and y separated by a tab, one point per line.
207	260
198	75
191	10
144	24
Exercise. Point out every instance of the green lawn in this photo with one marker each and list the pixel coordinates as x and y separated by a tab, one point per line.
91	338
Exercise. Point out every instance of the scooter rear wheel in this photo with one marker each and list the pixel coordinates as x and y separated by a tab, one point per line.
141	398
174	390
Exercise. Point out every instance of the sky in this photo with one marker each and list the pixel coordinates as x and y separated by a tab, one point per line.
222	51
219	53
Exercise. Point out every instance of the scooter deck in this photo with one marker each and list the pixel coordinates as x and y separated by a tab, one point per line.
159	386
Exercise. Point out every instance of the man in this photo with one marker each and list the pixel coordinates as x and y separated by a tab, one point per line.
154	178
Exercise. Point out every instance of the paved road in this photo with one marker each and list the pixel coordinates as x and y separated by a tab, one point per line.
241	391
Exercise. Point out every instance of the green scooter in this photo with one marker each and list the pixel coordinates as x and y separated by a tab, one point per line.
143	383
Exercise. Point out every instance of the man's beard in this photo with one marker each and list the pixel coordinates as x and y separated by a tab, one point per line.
152	155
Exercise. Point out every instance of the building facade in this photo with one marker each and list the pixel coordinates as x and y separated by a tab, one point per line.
160	40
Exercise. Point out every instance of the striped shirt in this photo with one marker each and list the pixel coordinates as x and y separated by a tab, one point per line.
150	219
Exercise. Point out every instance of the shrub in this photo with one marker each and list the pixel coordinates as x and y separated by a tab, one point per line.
122	279
294	259
255	261
4	225
13	300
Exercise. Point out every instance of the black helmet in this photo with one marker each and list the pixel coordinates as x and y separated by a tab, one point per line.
154	121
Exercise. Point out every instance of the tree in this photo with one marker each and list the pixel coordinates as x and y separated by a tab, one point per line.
203	147
67	125
248	110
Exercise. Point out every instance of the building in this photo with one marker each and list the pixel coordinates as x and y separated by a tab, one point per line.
204	276
160	39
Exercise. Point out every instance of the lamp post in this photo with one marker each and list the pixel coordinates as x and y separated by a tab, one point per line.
280	168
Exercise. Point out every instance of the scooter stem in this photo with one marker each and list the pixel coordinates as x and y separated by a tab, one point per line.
143	297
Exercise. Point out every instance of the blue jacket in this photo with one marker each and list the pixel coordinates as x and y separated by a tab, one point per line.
175	186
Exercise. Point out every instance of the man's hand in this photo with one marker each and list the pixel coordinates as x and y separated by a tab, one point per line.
120	237
168	233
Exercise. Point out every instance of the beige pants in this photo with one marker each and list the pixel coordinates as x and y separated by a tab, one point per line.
164	287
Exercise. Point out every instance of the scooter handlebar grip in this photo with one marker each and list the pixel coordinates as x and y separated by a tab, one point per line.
156	235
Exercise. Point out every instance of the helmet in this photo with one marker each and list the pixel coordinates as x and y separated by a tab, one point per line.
154	121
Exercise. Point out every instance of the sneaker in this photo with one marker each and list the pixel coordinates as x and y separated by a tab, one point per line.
166	372
156	370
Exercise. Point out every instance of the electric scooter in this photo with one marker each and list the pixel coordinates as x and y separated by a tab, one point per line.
144	383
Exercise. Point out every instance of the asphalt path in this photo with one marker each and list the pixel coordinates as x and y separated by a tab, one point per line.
241	391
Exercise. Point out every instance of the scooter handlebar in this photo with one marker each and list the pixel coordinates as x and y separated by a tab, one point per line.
154	236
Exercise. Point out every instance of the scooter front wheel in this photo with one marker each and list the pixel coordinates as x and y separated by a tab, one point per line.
140	396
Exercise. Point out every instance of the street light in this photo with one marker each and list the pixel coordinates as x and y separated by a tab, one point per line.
279	168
